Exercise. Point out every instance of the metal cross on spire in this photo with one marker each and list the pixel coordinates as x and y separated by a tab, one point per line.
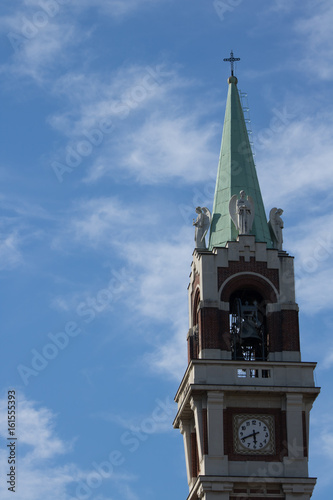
232	59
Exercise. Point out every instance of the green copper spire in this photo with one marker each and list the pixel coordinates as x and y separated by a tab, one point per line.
236	172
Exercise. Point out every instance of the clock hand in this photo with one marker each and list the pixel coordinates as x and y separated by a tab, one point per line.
253	434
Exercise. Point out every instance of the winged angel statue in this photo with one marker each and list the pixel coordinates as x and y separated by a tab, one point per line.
242	212
275	224
201	224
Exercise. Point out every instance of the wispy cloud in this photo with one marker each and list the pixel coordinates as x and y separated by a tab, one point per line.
119	8
282	5
309	36
94	97
18	229
161	278
39	477
157	271
169	358
44	472
96	218
328	358
169	148
163	268
316	32
161	146
312	245
321	444
156	422
10	251
37	38
104	222
300	154
42	34
128	102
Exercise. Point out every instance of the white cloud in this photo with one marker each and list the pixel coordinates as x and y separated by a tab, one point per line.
38	40
23	209
64	304
162	150
155	274
322	446
282	5
97	218
313	292
316	33
95	98
137	138
300	154
328	359
170	357
170	148
42	32
10	252
105	222
42	473
156	422
36	431
39	477
102	222
18	229
313	239
119	8
312	245
160	295
164	267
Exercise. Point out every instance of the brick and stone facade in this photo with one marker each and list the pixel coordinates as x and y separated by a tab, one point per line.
216	387
242	265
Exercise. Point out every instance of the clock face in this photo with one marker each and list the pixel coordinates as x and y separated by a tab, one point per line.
254	434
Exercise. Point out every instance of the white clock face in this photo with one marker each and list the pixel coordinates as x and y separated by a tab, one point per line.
254	434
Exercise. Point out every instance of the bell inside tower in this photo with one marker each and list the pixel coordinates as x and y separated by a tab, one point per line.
248	329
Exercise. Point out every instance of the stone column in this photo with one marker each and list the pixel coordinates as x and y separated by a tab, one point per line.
185	429
196	407
215	423
295	463
216	462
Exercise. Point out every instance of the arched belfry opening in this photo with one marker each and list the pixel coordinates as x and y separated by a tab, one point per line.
248	325
252	328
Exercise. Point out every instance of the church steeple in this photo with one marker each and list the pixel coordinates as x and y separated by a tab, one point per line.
245	399
236	172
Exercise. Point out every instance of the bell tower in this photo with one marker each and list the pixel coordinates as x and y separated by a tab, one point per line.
245	399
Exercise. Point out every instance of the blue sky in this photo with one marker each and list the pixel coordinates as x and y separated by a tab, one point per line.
111	123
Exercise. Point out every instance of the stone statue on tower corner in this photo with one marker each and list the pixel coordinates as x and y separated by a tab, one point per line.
242	212
275	224
202	224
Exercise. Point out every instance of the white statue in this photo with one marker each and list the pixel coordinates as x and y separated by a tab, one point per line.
275	224
242	212
201	224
